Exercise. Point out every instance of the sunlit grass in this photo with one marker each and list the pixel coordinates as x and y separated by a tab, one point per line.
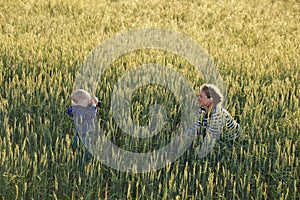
255	45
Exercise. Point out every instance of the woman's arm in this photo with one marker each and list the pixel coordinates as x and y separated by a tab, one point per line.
214	130
194	129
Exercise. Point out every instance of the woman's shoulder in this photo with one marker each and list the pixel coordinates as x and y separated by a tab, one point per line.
224	110
219	110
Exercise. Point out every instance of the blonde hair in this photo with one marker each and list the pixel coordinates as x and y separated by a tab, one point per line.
78	95
213	91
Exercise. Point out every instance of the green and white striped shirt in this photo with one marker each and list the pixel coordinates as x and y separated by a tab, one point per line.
218	125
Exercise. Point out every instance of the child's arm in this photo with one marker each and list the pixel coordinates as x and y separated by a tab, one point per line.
91	112
70	111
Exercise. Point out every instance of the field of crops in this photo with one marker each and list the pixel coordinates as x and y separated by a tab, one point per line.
254	44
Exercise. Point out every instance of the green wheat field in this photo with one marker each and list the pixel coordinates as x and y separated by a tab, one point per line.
255	46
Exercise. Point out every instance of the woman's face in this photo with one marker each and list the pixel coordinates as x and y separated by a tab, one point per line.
203	100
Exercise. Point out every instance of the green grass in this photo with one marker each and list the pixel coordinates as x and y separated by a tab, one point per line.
255	45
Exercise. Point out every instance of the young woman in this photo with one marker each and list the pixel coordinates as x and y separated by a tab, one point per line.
213	121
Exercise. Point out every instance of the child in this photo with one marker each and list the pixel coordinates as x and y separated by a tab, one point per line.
83	112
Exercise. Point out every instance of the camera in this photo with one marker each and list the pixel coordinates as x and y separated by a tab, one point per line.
98	104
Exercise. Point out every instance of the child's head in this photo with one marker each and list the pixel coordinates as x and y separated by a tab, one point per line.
81	97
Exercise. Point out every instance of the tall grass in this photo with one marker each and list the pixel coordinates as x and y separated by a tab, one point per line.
255	45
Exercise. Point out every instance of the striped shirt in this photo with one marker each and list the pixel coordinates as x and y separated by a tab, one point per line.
219	124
